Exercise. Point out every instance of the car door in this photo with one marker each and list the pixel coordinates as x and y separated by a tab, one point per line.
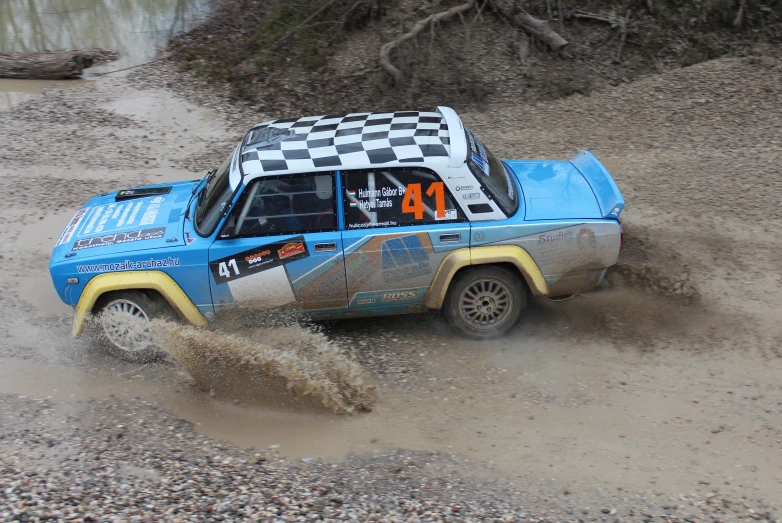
400	223
280	247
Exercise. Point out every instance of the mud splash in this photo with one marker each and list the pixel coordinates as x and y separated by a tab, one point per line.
282	366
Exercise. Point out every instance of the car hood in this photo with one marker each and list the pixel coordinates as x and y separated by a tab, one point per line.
554	190
140	218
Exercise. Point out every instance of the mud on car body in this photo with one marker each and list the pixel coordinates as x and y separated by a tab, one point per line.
344	216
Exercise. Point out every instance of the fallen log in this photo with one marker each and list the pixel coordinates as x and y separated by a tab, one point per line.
511	10
51	65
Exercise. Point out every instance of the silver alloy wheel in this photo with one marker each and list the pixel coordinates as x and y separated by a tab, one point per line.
126	325
485	304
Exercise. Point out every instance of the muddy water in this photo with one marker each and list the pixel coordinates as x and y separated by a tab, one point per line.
134	28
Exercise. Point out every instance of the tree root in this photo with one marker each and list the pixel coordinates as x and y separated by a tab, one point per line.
740	14
385	51
623	37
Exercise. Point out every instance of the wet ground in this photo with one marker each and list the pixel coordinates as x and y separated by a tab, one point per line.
663	384
134	28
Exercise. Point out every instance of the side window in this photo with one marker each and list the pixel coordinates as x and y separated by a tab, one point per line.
394	197
284	205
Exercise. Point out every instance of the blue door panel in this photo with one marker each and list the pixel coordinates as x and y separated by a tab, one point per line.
396	265
303	272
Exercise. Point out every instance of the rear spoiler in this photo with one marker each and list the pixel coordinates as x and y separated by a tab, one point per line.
607	193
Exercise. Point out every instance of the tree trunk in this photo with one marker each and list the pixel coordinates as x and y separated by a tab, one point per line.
51	65
511	10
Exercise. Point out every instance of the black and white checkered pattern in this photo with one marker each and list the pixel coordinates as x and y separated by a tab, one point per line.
350	141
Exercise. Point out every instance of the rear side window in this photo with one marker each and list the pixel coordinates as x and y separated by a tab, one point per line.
284	205
395	197
492	174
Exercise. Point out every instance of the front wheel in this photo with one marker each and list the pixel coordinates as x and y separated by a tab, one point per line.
124	319
485	302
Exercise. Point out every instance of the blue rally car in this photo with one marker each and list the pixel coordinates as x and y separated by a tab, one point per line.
342	216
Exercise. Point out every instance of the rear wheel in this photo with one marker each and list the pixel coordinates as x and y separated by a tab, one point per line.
124	319
485	302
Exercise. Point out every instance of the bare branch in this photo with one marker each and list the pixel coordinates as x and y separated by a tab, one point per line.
740	15
301	25
623	37
385	51
590	16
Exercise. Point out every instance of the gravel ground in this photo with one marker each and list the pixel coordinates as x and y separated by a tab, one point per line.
657	399
120	460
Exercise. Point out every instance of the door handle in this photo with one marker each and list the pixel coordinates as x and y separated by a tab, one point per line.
450	238
326	247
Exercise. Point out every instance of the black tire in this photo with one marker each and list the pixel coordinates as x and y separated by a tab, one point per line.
475	297
134	349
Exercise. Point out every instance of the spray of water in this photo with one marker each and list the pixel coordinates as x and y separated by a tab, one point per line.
283	366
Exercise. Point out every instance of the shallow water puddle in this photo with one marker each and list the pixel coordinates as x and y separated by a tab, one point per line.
299	433
15	92
134	28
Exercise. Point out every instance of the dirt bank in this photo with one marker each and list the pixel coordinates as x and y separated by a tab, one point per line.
657	398
321	58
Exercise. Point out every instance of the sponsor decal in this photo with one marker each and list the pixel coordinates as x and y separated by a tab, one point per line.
124	217
128	265
464	187
108	212
368	225
561	235
360	266
450	214
119	237
134	213
399	296
152	209
291	249
471	196
67	233
258	259
96	212
404	258
479	155
366	301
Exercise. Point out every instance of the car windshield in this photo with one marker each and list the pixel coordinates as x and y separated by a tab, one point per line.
213	200
492	174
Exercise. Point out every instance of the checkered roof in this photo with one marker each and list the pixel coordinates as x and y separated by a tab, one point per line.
350	141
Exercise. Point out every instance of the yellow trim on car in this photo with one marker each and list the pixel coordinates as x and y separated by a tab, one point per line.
119	281
461	258
454	261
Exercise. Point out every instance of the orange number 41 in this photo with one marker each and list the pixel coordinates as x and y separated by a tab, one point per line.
413	202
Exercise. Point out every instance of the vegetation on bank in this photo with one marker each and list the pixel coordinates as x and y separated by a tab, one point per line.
316	55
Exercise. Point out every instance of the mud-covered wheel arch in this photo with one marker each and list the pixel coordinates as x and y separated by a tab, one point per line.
120	317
